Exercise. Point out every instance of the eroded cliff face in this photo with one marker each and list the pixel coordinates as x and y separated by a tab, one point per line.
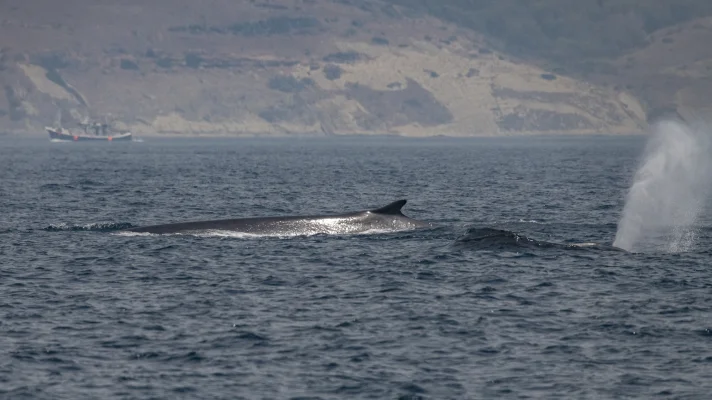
283	68
672	74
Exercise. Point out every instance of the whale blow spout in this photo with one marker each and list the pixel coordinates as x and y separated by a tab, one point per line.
669	190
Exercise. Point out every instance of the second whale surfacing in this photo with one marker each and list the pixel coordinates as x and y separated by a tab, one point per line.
384	219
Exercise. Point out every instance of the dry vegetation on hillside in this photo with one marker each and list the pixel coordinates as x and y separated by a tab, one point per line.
421	67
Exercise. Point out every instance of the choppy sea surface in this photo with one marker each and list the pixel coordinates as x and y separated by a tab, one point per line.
492	302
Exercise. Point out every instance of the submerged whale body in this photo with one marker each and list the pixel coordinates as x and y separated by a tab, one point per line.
384	219
498	239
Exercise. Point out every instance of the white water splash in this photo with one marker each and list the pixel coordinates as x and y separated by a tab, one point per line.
669	190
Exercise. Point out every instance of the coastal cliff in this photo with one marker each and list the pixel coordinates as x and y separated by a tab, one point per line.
293	67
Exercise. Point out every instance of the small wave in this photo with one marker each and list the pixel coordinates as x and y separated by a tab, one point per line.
236	235
530	221
56	186
96	227
129	233
239	235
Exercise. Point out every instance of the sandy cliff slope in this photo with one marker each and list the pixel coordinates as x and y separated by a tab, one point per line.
283	67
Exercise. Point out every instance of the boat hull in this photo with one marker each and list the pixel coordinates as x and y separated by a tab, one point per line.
64	135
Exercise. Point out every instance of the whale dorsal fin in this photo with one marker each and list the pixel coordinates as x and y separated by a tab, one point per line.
392	209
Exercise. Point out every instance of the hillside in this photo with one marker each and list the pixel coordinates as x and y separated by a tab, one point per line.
322	67
657	50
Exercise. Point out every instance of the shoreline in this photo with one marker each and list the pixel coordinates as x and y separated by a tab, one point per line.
34	135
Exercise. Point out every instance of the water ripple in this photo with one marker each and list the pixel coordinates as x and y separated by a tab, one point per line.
499	300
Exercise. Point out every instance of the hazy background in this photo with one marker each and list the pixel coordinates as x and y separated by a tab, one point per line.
327	67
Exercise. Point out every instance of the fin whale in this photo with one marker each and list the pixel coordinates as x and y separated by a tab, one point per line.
388	218
498	239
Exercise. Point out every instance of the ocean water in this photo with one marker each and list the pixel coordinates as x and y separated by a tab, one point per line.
494	301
